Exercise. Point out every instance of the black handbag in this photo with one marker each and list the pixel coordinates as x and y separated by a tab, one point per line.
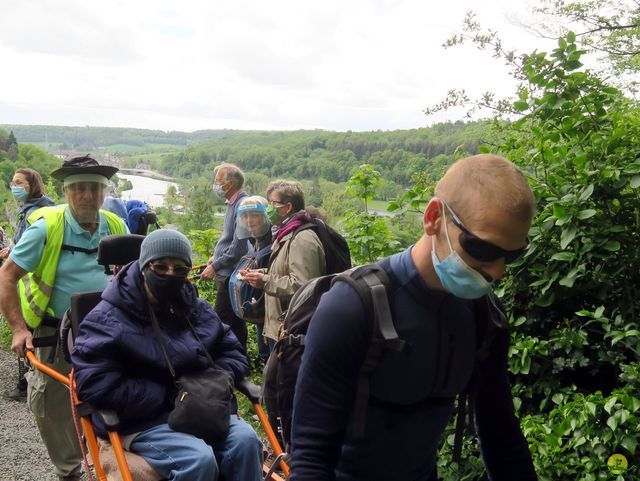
203	400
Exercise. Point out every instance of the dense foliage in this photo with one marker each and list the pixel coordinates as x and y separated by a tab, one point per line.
92	139
332	156
579	285
573	298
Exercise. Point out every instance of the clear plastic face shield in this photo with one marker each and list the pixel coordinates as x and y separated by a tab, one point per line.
252	221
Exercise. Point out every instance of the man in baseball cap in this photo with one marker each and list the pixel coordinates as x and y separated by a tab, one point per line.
55	257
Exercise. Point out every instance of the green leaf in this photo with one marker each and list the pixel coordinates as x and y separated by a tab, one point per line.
547	300
633	168
617	338
573	64
612	422
557	398
598	312
610	403
629	443
612	246
570	278
563	256
635	182
586	193
591	407
567	236
585	214
521	105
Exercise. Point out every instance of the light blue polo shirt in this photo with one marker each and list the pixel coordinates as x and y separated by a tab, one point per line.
77	271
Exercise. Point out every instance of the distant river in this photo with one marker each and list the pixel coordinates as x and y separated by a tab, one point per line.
148	190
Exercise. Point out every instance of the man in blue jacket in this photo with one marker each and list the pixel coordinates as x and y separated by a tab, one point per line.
120	365
476	224
229	180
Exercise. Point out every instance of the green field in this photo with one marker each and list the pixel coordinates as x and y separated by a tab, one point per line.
378	204
148	149
140	149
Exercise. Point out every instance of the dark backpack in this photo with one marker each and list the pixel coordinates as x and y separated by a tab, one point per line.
336	249
374	284
281	372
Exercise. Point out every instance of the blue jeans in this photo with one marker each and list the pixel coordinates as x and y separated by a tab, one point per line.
182	457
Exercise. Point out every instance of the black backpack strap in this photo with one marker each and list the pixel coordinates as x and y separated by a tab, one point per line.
490	317
374	287
74	249
461	415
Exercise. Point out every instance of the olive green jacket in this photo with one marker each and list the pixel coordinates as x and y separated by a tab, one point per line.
294	260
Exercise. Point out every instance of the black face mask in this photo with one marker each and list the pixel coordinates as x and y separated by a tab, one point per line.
165	289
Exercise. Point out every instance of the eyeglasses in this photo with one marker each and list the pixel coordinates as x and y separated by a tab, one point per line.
276	204
252	215
480	249
164	269
82	187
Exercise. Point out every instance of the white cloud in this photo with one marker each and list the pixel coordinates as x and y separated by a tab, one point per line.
334	64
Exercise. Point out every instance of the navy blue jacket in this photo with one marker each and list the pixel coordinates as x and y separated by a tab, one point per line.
402	433
25	210
119	365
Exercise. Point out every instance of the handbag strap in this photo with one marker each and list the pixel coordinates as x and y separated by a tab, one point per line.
158	334
195	334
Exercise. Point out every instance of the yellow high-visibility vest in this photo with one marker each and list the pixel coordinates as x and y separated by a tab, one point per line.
36	287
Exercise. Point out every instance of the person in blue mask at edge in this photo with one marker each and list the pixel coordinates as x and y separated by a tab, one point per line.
474	226
28	189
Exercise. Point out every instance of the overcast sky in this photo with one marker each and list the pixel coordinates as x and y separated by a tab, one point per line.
198	64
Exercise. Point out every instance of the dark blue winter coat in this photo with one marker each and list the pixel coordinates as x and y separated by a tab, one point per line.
119	365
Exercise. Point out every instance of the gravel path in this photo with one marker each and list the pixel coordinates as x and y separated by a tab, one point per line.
23	457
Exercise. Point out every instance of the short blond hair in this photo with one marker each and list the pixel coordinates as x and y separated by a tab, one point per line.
486	179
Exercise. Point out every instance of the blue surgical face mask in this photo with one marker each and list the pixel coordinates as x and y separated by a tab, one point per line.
19	193
456	276
217	189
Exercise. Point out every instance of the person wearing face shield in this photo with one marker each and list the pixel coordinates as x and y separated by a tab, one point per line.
248	302
443	307
54	258
120	366
296	256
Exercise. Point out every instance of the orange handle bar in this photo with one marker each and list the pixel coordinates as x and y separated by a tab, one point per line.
40	366
271	436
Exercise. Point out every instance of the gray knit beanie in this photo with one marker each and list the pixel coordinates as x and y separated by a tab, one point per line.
165	243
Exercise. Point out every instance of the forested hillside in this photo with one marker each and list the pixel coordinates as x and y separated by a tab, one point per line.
14	154
109	138
333	156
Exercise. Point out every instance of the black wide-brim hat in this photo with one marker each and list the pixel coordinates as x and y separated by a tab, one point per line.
83	165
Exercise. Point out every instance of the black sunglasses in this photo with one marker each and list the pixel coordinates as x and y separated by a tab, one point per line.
163	269
481	249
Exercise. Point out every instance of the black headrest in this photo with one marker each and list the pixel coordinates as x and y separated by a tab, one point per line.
119	249
81	304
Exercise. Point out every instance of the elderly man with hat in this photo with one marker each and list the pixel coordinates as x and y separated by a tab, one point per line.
55	257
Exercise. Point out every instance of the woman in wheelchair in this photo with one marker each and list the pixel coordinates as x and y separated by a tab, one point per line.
120	365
